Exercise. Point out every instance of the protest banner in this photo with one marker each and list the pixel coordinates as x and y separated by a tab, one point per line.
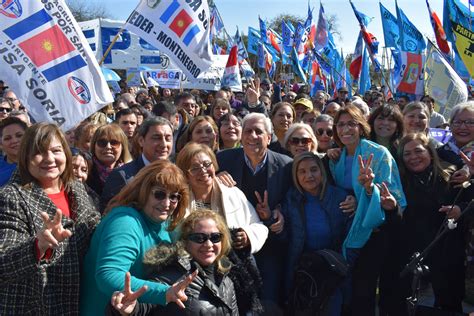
442	83
129	51
165	78
178	28
211	78
49	63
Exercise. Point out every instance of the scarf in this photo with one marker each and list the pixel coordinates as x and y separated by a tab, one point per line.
104	171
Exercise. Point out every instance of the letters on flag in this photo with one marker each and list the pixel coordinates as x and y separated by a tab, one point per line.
442	82
49	64
231	76
465	45
178	28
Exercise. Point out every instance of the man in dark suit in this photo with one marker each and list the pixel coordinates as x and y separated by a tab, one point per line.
155	137
255	168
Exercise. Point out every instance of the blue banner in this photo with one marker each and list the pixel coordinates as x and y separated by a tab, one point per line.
390	28
253	41
411	39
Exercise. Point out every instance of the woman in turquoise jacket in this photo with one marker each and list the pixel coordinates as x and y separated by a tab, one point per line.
137	219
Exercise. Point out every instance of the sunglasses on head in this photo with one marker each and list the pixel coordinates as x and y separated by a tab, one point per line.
303	140
201	238
102	143
321	131
7	110
160	195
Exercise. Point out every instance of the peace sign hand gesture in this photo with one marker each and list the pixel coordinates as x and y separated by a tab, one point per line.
176	292
125	301
469	162
262	207
52	232
366	176
253	91
387	200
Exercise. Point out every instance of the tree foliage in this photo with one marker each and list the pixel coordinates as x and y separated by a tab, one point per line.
87	10
275	23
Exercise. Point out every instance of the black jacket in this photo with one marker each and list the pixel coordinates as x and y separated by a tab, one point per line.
168	264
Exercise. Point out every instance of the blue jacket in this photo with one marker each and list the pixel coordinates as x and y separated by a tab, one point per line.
295	227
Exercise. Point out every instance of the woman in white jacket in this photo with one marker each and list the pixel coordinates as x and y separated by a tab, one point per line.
199	164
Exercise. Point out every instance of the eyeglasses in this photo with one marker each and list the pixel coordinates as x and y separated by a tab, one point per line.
102	143
160	195
204	167
11	99
304	141
5	110
350	124
201	238
459	123
321	131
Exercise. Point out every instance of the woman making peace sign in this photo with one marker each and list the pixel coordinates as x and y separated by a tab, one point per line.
361	165
46	221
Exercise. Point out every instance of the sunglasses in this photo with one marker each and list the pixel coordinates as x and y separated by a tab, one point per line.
102	143
201	238
303	141
5	110
160	195
321	131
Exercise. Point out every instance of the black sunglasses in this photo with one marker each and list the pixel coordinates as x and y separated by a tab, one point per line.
201	238
320	132
102	143
7	110
303	140
160	195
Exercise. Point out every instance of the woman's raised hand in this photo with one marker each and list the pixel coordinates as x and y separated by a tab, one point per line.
387	200
176	292
253	91
366	175
125	301
52	232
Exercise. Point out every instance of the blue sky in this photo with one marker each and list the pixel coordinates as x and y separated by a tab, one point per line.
244	13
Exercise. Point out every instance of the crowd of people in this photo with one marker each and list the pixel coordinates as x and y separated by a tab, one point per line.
234	203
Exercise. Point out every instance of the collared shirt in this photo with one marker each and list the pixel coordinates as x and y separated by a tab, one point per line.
259	165
145	161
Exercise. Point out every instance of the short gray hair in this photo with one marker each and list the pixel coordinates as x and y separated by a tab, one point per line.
259	116
464	106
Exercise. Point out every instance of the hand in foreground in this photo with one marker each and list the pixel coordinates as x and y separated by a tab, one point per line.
452	211
262	208
387	200
125	301
226	179
176	292
253	91
241	240
349	205
468	162
366	175
334	153
277	227
52	232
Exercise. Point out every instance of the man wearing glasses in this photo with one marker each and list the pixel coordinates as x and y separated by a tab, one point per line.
11	96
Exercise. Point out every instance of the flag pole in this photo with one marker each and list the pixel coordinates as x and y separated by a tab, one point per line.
337	73
111	45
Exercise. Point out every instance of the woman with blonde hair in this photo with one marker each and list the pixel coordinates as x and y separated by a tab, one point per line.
109	149
299	139
141	216
204	243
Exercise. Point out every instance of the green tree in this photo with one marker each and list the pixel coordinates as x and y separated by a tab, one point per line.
87	10
275	23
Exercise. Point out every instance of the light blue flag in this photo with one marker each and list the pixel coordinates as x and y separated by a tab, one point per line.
288	35
253	41
261	56
364	81
263	30
297	66
390	28
456	11
411	39
242	52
